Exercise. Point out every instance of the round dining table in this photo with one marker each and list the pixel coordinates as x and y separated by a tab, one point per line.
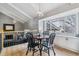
40	38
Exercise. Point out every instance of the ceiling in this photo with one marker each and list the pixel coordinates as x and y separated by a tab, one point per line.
28	11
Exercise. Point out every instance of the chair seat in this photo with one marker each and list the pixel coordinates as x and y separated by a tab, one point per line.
33	45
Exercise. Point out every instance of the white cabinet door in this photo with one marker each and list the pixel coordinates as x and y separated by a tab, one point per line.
60	41
68	43
73	44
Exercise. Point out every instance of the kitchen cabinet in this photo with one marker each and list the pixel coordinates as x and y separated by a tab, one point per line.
70	43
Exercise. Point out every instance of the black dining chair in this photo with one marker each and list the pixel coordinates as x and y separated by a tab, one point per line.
31	43
48	43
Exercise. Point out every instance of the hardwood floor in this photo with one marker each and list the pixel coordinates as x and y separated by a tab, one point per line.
20	50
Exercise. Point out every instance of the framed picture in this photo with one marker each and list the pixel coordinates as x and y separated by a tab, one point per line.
8	27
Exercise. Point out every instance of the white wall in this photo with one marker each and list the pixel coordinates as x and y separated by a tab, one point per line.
40	26
31	24
19	26
7	20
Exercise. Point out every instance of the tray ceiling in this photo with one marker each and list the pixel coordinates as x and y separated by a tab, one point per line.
28	11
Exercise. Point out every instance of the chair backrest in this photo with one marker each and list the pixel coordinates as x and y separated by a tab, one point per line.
29	37
46	33
52	37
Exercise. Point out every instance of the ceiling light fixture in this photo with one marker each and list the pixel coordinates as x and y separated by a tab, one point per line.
39	13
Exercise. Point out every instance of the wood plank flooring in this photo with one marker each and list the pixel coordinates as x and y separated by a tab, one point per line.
20	50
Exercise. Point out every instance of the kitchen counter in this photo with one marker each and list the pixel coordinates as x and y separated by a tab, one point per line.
67	41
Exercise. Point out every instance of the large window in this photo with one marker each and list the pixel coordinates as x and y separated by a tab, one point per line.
65	24
70	24
57	24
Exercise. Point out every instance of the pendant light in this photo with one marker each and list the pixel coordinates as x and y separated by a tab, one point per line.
39	13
